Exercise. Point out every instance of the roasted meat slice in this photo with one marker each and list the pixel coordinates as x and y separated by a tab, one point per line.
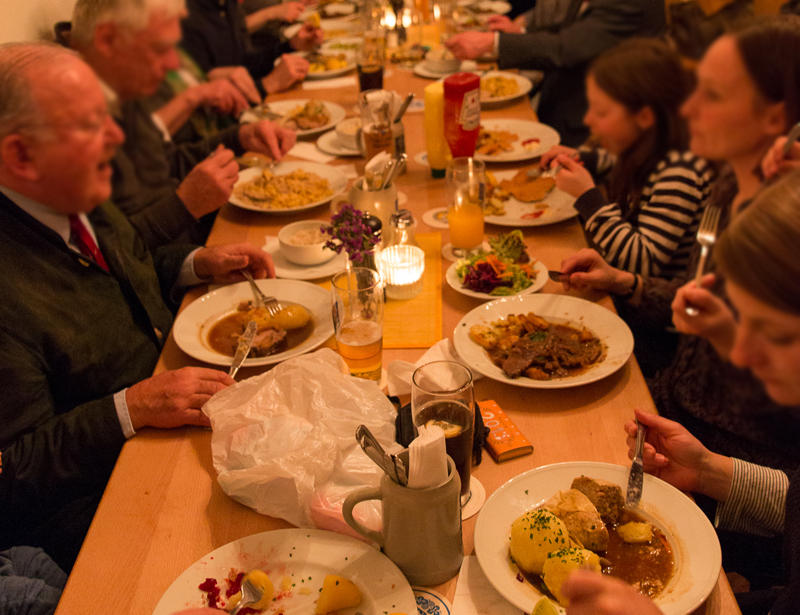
606	496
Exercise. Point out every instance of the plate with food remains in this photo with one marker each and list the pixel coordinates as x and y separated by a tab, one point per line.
487	7
345	43
666	546
513	140
288	188
506	269
498	87
543	341
306	117
515	198
329	64
309	571
208	329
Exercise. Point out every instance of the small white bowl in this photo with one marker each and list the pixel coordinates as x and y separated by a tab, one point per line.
346	132
441	61
312	254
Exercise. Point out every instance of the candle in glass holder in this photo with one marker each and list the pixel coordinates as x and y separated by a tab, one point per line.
402	267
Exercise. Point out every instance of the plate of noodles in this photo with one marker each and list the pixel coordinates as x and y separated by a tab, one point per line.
289	187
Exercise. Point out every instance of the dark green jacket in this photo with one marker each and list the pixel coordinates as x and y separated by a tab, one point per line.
71	335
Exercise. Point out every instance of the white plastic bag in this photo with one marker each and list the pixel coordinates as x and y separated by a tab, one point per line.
284	442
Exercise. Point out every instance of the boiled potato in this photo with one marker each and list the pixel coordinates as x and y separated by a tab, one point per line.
262	582
635	532
533	536
292	317
337	593
560	564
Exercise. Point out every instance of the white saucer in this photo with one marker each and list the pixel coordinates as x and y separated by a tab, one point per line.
436	217
331	144
431	602
447	251
476	500
290	271
422	158
422	70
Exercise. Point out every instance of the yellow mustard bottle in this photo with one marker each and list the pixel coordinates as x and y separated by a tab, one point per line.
438	151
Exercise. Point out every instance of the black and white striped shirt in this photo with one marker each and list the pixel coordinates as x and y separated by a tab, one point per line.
757	501
659	240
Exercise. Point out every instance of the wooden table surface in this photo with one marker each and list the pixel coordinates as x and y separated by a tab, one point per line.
163	509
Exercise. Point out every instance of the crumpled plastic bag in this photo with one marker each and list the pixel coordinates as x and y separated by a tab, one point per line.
284	444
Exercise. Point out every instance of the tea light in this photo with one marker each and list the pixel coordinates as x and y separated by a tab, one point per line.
402	267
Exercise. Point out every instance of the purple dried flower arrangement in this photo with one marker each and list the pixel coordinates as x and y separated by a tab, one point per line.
349	232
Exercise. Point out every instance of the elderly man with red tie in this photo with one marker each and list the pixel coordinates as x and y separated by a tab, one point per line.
82	321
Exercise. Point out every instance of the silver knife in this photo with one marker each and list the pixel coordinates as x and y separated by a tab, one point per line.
636	477
243	349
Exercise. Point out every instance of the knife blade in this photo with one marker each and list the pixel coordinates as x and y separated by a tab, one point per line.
636	477
243	349
554	275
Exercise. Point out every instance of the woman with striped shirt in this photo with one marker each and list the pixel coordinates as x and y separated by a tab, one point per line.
655	186
758	257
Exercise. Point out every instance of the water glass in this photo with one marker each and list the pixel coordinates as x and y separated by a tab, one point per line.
357	308
442	395
465	197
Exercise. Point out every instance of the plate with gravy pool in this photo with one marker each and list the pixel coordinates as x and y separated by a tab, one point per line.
209	327
510	140
680	528
567	342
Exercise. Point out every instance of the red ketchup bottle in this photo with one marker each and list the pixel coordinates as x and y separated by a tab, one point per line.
462	113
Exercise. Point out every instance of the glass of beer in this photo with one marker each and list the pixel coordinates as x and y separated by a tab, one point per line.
357	307
465	196
441	394
370	58
377	110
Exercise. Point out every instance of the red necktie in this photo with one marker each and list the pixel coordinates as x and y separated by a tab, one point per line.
84	242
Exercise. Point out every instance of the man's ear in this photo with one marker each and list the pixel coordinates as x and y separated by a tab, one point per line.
106	35
16	156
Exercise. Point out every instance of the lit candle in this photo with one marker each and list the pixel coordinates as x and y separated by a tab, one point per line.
402	267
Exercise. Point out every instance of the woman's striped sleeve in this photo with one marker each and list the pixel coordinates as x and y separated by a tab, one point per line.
757	502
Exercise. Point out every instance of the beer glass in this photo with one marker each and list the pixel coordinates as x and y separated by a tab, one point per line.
357	308
441	394
465	197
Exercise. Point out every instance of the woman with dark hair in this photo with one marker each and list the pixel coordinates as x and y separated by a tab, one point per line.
655	187
758	257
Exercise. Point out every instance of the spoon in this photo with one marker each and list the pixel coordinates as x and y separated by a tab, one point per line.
373	449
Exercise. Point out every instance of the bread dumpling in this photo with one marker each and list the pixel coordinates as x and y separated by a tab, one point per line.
581	518
534	535
559	564
606	496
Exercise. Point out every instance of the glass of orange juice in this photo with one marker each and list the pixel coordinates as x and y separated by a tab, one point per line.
465	192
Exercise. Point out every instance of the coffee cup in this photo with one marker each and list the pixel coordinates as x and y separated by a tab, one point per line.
421	527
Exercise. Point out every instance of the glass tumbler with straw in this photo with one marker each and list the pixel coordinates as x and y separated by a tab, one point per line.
442	395
465	195
357	309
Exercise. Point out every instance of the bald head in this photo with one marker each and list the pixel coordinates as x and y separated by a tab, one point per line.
22	65
56	137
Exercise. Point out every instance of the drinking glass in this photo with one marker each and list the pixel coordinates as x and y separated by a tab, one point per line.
441	394
465	195
370	58
357	308
377	109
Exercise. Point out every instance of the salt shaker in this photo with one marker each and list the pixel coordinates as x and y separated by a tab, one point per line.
401	229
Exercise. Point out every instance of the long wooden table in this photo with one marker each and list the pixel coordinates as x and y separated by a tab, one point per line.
163	509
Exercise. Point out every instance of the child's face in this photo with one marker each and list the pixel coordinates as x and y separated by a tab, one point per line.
610	121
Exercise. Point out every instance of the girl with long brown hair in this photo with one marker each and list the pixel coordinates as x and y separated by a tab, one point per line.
655	187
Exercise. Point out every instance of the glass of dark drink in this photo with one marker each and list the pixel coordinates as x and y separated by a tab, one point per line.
370	58
441	394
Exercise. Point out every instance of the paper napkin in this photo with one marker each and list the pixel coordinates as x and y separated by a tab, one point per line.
400	372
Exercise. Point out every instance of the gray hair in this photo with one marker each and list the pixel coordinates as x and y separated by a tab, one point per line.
18	106
132	14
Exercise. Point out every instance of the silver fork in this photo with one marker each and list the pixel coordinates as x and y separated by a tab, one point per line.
270	303
706	237
250	595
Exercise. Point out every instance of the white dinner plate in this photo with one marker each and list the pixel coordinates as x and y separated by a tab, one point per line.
524	86
485	8
336	180
563	309
330	143
559	208
525	130
350	57
194	323
695	545
334	28
284	107
338	10
452	279
290	271
343	43
304	557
